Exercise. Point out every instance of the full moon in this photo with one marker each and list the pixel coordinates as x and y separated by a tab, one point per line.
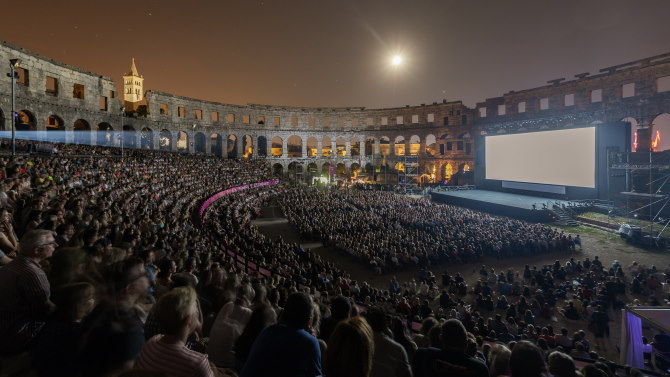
396	60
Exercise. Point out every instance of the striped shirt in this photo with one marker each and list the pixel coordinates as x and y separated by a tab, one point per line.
24	296
172	360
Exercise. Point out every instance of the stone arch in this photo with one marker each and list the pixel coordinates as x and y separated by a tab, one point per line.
355	170
231	146
431	145
312	147
633	132
399	148
429	173
325	169
55	129
355	147
128	136
414	145
369	146
312	171
182	141
105	134
448	171
399	166
445	136
340	147
216	144
262	147
200	142
294	146
147	138
82	132
384	146
277	146
295	171
165	140
278	170
341	170
247	146
25	121
660	132
326	147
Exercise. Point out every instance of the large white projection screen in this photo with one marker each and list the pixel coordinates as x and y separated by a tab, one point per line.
563	157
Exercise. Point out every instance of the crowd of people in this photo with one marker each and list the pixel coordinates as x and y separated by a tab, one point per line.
107	269
389	231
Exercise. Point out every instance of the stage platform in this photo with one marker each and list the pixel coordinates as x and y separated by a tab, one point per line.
501	203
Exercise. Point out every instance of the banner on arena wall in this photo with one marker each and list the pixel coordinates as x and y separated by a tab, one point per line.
232	190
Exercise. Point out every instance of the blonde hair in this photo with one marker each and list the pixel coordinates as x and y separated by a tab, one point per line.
350	349
174	307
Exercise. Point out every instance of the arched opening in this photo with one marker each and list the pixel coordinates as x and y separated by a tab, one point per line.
262	146
295	172
55	129
216	144
277	146
448	171
341	147
182	141
200	143
278	171
429	173
660	136
355	170
105	134
231	146
355	147
326	170
294	146
431	145
146	138
369	170
312	171
312	147
384	146
414	145
369	146
399	166
633	132
399	146
165	140
247	146
326	147
129	138
25	121
341	170
82	132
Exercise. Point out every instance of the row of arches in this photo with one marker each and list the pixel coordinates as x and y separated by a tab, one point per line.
430	172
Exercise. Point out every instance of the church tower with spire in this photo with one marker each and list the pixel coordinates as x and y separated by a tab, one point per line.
133	85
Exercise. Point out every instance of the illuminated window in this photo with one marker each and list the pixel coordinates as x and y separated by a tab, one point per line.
466	167
78	91
52	86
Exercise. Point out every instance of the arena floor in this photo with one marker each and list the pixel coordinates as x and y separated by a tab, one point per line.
607	246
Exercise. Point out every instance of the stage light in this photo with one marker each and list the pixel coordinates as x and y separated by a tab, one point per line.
396	60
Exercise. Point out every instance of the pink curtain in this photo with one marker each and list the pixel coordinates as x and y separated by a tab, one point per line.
631	340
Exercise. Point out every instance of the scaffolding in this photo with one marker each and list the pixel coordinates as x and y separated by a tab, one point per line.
409	175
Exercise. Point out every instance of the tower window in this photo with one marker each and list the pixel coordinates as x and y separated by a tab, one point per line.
78	91
52	86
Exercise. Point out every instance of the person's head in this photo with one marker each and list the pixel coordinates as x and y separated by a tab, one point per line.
454	336
298	310
177	311
499	360
66	265
128	280
526	360
376	317
74	301
561	365
38	244
591	370
340	308
350	349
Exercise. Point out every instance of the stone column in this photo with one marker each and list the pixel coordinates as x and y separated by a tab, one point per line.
392	147
408	144
208	144
361	147
304	148
347	148
319	147
240	146
284	149
375	147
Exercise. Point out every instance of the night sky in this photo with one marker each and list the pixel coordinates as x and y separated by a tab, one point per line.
338	52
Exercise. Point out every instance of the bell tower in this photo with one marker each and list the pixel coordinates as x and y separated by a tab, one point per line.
133	85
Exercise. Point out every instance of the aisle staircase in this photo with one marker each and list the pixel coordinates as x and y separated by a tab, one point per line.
564	216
